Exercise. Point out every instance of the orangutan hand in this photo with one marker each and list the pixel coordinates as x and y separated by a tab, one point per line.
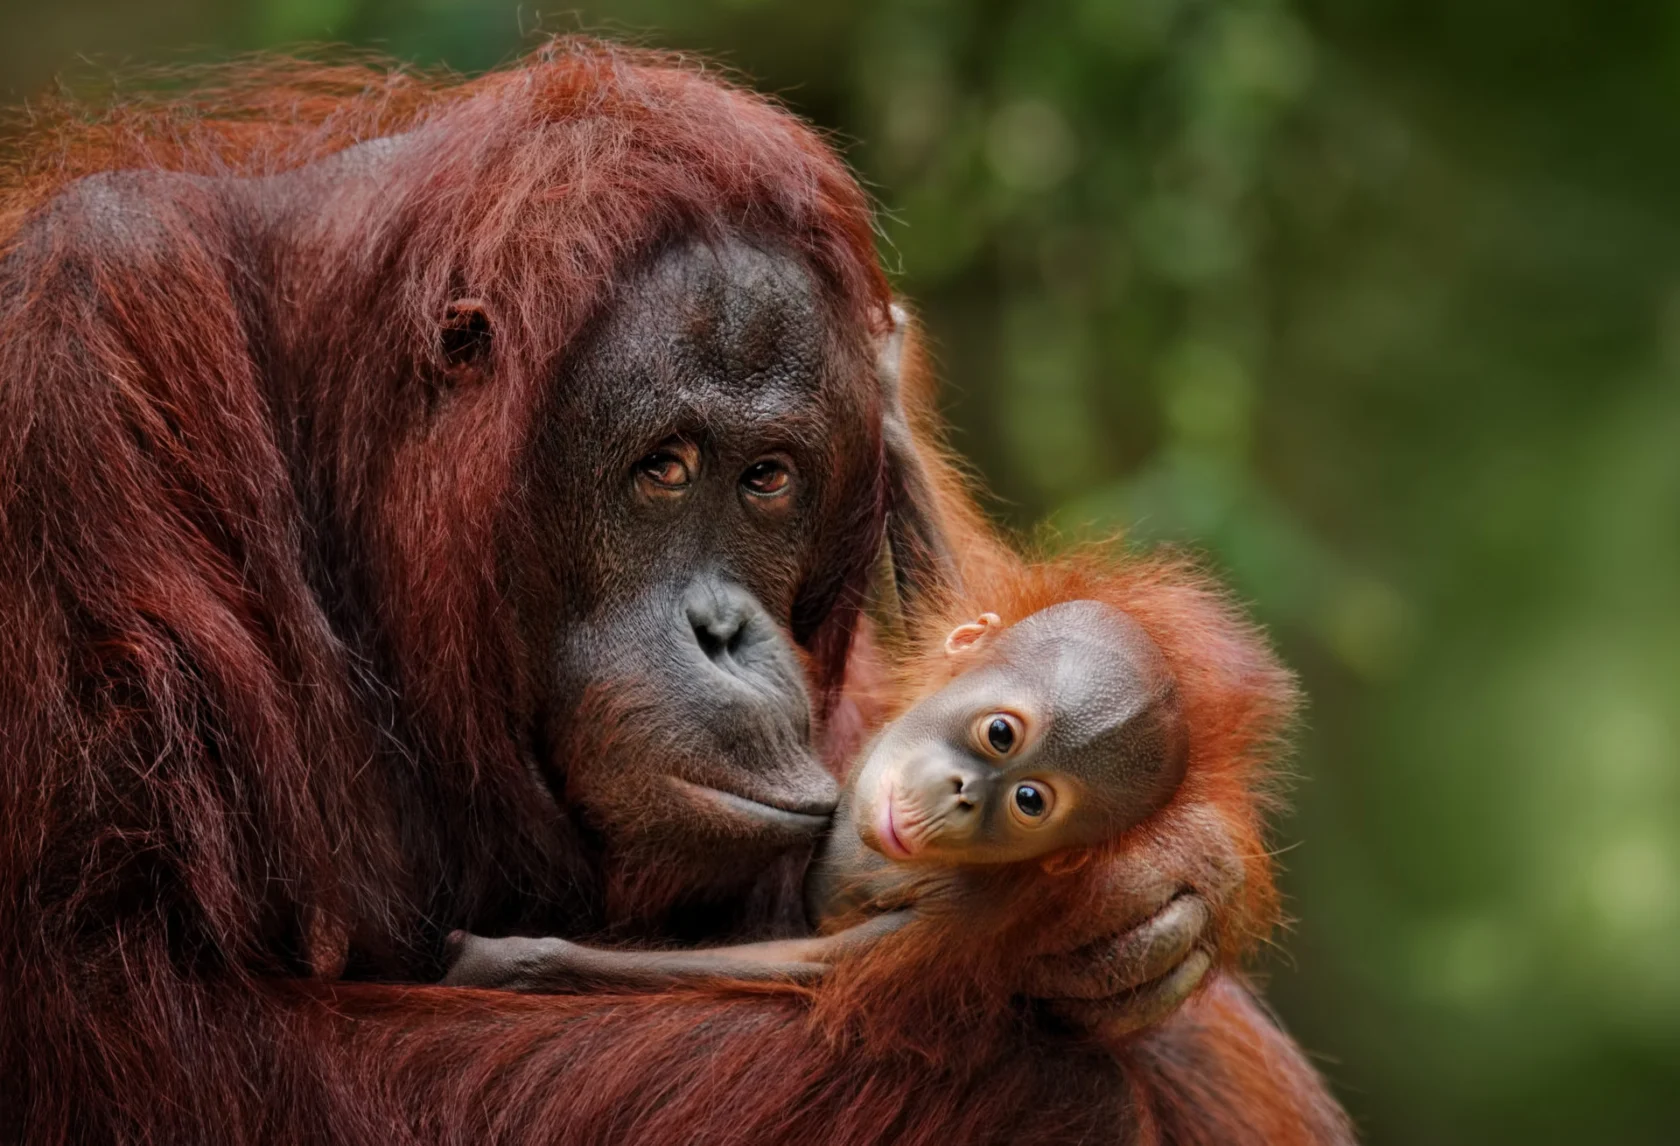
1155	935
1121	983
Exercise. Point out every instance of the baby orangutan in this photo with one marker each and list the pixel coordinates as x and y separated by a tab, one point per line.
1055	735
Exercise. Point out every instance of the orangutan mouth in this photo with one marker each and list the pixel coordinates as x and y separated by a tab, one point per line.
893	843
807	819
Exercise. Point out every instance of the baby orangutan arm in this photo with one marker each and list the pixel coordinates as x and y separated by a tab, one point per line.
560	965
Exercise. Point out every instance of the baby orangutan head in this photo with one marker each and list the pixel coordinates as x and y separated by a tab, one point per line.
1061	731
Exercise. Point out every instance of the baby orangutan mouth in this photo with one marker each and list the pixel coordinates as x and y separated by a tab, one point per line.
885	837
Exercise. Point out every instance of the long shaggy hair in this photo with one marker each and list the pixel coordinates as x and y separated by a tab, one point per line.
259	698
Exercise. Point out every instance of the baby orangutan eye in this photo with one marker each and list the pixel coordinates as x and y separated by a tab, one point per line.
999	733
1032	801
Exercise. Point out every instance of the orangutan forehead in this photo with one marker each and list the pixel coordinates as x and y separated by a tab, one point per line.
753	309
722	330
1088	657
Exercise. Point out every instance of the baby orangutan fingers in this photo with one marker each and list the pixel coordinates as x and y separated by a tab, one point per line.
1113	969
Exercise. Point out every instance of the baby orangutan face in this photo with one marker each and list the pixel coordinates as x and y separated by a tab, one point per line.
1063	731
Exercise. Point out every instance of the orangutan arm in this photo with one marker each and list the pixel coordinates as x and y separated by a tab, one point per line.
409	1064
1222	1070
435	1064
923	560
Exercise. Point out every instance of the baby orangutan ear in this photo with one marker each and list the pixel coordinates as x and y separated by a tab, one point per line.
1065	863
464	337
967	638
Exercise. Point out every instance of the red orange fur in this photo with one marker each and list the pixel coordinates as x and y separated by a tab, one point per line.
255	714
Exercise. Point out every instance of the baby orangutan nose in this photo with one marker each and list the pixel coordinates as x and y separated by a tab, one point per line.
936	805
965	792
951	788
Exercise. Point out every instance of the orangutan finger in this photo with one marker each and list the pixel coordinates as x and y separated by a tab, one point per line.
1118	963
1143	1007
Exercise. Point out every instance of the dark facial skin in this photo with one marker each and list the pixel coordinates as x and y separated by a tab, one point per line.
1064	733
687	481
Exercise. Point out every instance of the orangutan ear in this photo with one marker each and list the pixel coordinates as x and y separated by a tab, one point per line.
1066	862
464	337
967	638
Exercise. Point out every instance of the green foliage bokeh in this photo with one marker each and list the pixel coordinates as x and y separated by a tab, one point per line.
1377	303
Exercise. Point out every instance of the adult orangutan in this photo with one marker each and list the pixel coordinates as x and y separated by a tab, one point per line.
432	506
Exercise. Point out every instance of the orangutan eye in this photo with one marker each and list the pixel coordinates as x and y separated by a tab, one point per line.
665	470
670	469
767	477
1030	800
1000	733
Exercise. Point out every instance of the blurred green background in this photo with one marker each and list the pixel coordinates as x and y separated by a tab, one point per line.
1377	302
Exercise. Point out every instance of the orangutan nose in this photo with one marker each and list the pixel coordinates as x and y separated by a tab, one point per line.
949	788
735	635
965	791
720	616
